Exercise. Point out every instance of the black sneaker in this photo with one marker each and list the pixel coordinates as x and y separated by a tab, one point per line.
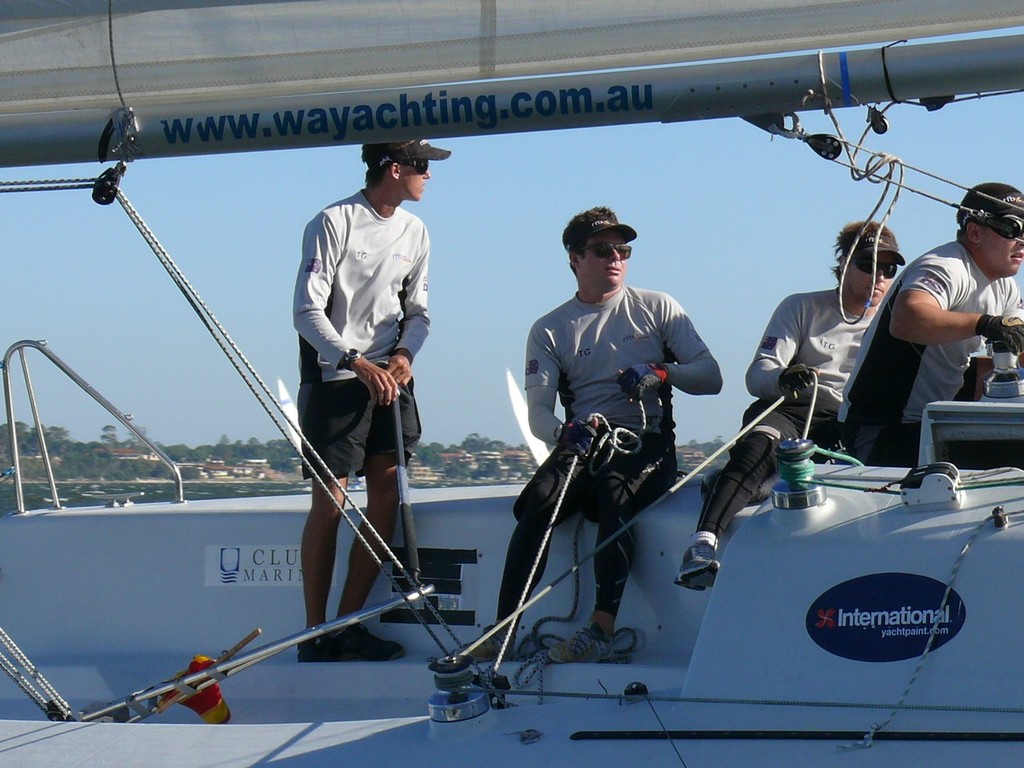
314	650
352	644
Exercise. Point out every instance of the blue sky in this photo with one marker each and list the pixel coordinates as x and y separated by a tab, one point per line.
729	221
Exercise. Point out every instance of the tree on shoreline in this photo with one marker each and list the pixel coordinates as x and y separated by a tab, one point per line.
475	459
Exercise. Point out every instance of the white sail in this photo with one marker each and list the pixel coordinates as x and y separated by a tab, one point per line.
538	449
238	76
291	413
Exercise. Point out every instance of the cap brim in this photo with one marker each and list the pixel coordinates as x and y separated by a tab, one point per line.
424	151
436	153
870	251
624	229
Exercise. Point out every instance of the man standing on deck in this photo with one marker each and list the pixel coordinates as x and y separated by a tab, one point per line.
360	308
615	352
809	333
920	342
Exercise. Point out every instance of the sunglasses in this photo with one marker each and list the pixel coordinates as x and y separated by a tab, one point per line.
885	269
1007	227
608	250
420	166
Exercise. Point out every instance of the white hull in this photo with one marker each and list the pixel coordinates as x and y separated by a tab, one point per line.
107	602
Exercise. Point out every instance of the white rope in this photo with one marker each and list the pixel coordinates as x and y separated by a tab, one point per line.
615	439
536	564
810	407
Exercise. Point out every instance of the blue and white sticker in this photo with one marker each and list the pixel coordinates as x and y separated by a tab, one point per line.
884	617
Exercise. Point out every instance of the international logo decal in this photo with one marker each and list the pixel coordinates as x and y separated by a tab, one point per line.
826	618
313	266
532	366
885	617
768	343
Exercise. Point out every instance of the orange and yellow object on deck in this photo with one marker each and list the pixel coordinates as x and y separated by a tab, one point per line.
209	704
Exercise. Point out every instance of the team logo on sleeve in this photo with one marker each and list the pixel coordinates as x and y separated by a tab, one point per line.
532	366
768	343
931	281
313	266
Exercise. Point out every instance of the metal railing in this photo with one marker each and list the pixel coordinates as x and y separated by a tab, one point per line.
126	420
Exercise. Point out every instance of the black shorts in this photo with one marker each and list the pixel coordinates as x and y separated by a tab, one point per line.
343	425
789	420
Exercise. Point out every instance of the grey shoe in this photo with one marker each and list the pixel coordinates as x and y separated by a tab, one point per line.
699	567
588	644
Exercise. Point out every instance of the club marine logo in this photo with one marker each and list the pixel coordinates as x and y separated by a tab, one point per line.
252	565
884	617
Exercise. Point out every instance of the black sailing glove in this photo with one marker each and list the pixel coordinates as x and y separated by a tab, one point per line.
1008	329
576	437
795	379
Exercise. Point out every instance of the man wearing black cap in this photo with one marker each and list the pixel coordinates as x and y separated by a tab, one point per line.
360	307
809	333
612	353
918	347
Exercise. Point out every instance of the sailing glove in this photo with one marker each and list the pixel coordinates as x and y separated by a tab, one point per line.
1008	329
795	379
576	437
636	380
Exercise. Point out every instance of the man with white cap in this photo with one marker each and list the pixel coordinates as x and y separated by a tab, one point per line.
360	308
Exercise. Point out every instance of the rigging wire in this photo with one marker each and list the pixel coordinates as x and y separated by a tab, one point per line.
46	185
113	60
122	121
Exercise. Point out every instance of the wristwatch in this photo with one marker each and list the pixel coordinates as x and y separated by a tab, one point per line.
350	356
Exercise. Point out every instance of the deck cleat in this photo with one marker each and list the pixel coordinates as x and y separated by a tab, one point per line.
932	487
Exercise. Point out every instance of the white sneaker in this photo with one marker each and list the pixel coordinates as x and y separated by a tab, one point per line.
699	566
588	644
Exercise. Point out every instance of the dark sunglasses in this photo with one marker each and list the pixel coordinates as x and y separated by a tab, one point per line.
608	250
420	166
885	269
1007	227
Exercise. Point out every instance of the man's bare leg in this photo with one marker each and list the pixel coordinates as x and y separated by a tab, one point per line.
319	546
382	512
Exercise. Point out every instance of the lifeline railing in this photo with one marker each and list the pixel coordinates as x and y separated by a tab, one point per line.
126	420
